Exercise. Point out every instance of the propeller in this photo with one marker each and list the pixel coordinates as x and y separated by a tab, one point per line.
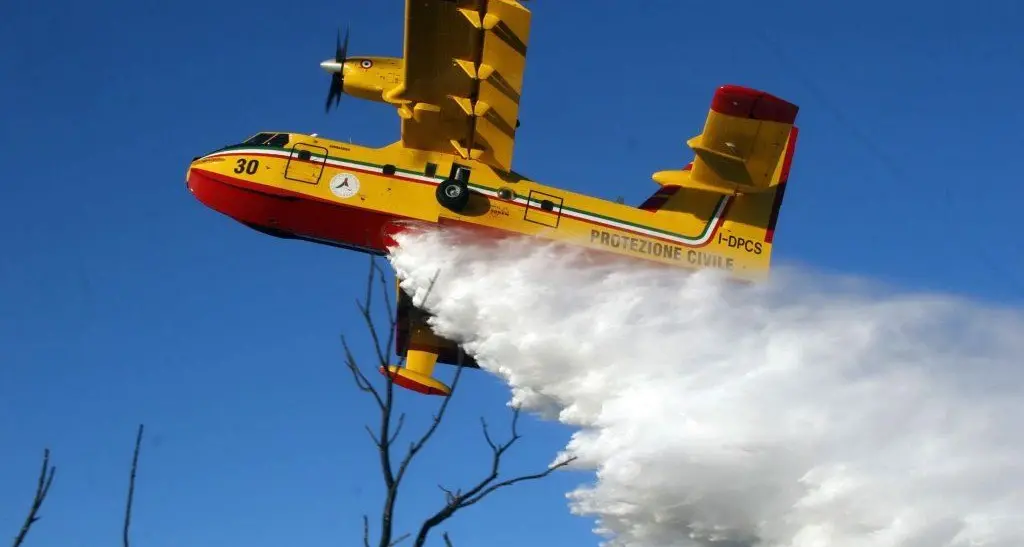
335	67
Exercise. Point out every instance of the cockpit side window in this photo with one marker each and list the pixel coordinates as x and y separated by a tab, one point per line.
258	138
279	141
268	139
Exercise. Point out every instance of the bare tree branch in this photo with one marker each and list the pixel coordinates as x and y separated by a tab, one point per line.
42	488
454	501
398	428
384	437
360	379
393	480
131	488
383	351
414	448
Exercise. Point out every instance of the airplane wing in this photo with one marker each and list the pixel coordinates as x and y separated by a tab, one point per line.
463	76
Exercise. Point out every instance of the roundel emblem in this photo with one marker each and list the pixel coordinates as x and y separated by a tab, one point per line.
366	63
344	185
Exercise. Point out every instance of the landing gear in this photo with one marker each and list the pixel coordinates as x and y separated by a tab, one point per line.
453	192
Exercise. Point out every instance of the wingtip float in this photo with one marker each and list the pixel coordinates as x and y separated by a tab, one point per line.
452	167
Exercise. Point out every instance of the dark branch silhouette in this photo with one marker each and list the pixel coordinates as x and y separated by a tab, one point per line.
46	479
42	488
385	436
457	500
131	488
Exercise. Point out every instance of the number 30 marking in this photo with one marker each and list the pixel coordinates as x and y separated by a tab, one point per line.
249	166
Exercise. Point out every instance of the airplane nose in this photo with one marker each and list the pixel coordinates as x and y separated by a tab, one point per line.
330	65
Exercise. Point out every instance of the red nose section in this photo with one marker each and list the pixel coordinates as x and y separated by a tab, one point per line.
289	212
744	102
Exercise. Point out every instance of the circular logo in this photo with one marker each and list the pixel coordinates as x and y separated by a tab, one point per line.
344	185
366	63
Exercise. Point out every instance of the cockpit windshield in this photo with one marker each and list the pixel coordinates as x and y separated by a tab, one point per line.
279	140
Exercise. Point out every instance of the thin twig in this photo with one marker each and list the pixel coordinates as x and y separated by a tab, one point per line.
360	379
42	488
457	500
364	309
387	307
131	488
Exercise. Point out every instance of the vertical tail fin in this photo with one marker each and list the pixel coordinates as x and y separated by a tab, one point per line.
736	182
743	146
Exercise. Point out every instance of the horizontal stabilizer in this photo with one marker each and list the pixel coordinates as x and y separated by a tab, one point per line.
745	146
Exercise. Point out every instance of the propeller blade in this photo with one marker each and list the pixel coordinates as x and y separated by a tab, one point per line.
337	78
334	93
341	51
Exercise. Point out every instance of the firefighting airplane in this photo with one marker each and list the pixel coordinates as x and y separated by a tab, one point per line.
457	91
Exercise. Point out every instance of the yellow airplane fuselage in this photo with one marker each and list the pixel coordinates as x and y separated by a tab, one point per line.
309	187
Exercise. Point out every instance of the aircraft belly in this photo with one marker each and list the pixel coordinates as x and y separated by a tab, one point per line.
290	213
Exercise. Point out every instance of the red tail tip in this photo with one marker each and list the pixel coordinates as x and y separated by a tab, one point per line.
744	102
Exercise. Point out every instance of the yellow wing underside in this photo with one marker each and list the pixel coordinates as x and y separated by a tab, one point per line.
464	63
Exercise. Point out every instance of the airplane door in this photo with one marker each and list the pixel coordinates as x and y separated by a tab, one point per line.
543	209
306	163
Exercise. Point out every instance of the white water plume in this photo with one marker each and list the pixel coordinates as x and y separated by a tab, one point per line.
804	412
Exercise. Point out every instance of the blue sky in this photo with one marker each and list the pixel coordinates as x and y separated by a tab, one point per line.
126	301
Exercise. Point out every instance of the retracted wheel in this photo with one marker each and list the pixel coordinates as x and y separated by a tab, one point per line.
453	194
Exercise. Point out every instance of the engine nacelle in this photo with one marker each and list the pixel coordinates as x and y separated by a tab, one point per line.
371	78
